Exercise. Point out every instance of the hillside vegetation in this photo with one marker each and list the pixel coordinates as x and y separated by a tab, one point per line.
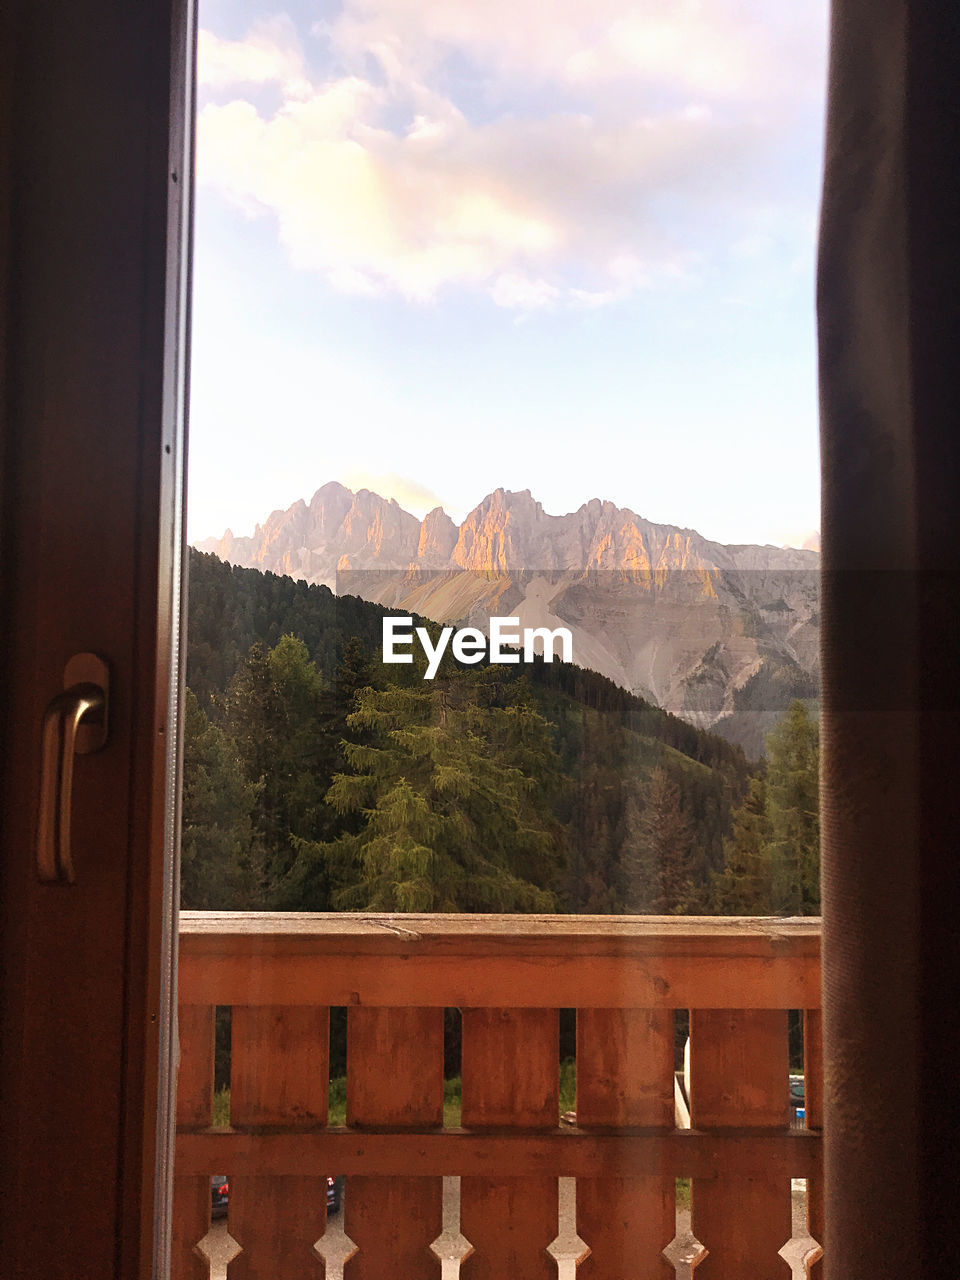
316	778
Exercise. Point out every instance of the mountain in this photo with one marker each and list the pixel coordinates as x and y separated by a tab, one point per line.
724	636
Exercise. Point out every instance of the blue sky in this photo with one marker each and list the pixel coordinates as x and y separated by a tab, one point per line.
448	245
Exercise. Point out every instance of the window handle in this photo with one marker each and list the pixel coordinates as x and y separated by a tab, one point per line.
74	723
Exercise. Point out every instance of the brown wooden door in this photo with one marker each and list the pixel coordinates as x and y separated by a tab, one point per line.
91	345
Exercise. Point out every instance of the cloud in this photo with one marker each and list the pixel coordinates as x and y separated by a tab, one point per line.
405	182
723	48
269	54
410	494
521	293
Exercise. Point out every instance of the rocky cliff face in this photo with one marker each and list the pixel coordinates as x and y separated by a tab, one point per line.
722	635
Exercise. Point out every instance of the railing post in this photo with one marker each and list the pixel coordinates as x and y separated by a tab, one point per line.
510	1065
395	1080
624	1079
191	1194
739	1078
813	1108
279	1075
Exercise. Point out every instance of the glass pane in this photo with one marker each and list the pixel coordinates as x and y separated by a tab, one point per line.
500	849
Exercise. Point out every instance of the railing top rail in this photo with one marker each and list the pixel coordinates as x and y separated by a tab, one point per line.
500	961
467	927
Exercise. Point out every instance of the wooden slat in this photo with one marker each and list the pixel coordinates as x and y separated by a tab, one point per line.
394	1068
739	1070
279	1074
191	1191
625	1078
510	1069
191	1222
625	1068
496	961
510	1072
813	1105
566	1153
395	1078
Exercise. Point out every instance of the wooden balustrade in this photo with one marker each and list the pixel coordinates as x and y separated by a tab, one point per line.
509	975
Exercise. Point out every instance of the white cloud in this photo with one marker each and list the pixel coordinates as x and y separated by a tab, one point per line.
372	210
714	47
801	540
521	293
269	54
410	494
402	185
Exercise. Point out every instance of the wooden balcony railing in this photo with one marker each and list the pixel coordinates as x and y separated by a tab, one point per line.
509	975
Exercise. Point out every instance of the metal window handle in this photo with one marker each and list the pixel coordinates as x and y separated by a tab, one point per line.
74	723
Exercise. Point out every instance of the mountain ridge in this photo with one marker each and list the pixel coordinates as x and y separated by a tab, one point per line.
343	529
722	635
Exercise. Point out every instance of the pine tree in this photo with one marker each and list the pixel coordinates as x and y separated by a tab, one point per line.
773	856
745	887
273	710
453	815
304	757
220	852
354	672
656	855
793	809
593	880
253	717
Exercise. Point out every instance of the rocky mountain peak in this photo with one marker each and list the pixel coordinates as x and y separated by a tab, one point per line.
438	537
648	604
507	531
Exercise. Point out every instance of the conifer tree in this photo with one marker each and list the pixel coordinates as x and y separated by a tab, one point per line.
454	819
354	672
656	856
305	757
220	851
594	881
793	809
772	858
745	887
273	711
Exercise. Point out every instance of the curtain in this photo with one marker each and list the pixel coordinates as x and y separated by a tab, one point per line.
889	335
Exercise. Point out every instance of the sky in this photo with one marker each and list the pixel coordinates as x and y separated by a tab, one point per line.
446	246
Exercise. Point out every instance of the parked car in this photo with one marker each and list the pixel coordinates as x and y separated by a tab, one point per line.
220	1195
797	1097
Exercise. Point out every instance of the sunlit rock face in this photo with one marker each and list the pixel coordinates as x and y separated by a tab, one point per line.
438	537
724	636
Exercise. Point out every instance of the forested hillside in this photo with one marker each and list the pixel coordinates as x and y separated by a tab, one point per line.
317	778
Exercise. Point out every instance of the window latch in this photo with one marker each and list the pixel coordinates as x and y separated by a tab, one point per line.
74	723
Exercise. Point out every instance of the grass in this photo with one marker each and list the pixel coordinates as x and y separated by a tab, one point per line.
337	1113
221	1109
568	1085
451	1103
452	1089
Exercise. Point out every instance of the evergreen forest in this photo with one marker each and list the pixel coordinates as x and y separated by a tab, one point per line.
316	778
